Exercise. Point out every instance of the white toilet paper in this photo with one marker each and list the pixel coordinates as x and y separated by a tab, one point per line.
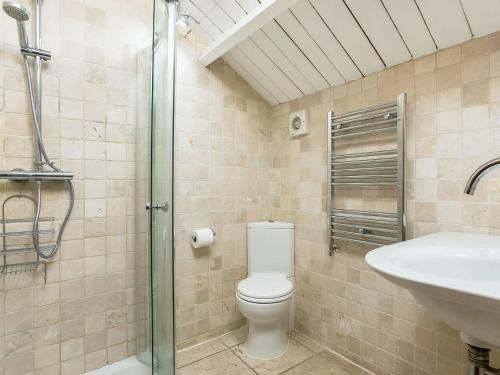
202	237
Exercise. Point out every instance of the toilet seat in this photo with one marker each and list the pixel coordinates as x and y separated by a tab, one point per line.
265	288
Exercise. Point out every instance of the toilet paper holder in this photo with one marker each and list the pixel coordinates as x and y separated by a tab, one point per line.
213	231
195	241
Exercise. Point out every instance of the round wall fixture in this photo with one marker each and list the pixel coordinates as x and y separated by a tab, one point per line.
297	123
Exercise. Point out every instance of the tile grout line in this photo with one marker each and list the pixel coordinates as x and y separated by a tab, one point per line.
205	357
246	364
241	359
215	339
368	372
301	362
298	364
313	354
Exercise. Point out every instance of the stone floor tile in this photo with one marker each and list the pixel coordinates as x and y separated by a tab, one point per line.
235	337
316	347
295	354
197	352
222	363
326	363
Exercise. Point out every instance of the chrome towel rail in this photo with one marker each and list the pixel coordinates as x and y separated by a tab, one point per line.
377	169
343	128
352	114
363	154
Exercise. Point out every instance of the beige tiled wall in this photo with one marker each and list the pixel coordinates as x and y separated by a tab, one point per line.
84	317
452	126
223	179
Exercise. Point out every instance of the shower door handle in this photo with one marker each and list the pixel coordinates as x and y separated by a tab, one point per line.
157	206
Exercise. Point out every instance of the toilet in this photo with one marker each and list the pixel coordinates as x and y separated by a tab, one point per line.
265	296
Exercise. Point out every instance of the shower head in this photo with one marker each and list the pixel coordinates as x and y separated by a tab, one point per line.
21	15
16	11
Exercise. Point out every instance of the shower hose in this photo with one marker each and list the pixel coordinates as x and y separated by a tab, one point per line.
45	160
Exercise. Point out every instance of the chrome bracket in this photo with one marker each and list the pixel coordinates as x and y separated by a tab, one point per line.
36	52
157	206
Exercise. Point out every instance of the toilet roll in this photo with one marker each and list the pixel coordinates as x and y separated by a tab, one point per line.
202	237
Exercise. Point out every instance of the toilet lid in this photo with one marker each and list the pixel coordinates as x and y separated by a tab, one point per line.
265	286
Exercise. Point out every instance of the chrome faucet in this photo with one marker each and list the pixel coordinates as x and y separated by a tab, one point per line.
471	185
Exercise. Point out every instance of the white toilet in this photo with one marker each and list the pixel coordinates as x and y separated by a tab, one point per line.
265	296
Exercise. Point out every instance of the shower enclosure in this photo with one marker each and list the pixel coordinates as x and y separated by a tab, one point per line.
87	250
154	187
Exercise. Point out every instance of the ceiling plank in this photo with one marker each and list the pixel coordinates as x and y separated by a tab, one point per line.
483	19
221	19
344	26
259	58
286	45
301	37
259	75
265	64
283	61
246	26
446	21
323	36
248	5
377	24
206	26
232	9
250	79
411	25
204	5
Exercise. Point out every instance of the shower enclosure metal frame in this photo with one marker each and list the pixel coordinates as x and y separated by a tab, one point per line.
161	198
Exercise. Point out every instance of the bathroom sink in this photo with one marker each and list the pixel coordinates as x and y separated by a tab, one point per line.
455	275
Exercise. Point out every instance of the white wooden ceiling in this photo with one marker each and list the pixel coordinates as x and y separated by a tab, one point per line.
316	44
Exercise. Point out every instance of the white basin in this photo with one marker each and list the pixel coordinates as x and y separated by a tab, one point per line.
455	275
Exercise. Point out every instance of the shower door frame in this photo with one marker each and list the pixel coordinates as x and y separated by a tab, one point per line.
160	207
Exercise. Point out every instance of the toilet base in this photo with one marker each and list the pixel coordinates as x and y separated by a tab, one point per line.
267	341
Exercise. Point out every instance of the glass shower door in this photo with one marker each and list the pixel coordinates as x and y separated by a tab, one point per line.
154	212
161	188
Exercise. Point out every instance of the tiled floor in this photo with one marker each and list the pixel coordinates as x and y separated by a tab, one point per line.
226	356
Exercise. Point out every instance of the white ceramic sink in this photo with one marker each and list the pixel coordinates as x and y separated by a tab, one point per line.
455	275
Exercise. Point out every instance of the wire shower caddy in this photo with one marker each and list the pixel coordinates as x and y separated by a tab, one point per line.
10	251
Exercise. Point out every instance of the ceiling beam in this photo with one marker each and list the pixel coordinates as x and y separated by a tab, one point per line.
245	27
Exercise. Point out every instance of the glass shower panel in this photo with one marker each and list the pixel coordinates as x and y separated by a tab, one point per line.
161	188
154	211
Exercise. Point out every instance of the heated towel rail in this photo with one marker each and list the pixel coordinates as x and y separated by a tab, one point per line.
372	169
